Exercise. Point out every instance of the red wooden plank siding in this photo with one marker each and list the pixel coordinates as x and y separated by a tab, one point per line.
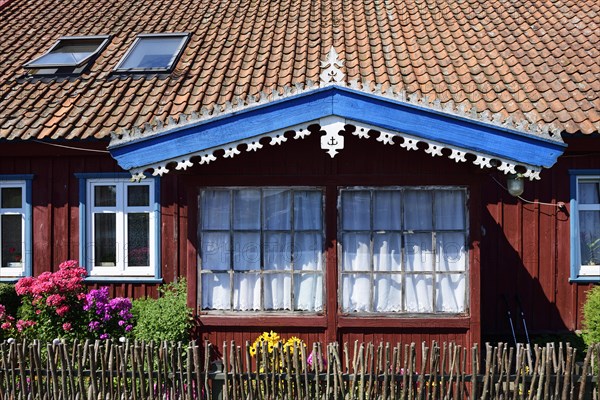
515	247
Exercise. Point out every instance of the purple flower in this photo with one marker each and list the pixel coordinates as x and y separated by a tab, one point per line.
128	328
121	322
94	325
104	336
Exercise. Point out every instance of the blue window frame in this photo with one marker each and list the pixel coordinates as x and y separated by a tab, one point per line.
15	226
585	225
119	227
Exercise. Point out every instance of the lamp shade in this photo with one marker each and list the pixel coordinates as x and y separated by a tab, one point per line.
515	184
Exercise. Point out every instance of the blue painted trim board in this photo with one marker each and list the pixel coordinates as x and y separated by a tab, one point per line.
345	103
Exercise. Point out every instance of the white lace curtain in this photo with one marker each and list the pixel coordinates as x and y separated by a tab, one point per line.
286	237
372	278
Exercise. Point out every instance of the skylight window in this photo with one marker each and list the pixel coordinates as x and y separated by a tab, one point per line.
153	52
70	54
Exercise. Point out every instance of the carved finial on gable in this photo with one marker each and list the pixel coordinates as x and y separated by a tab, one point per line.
331	68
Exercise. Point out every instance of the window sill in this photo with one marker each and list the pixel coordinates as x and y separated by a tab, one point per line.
585	279
117	279
263	321
406	321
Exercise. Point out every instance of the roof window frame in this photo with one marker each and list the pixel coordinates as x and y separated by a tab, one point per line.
105	39
185	36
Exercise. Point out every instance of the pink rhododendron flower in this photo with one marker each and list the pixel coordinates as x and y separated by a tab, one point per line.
21	325
55	300
67	326
2	311
6	325
62	310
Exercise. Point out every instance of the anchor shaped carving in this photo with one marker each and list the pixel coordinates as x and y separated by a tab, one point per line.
332	141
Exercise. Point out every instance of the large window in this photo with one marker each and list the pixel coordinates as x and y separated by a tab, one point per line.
120	236
15	226
585	225
403	250
261	249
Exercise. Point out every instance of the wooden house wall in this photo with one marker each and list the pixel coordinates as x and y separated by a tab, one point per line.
518	248
526	251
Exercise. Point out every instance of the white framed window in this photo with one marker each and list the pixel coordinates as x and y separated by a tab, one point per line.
403	250
120	232
15	226
585	225
153	52
69	54
261	249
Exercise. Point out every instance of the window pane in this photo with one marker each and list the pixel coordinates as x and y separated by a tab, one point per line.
278	251
246	209
215	209
388	293
356	292
589	193
105	196
246	292
157	52
386	210
277	210
450	293
138	239
387	253
12	197
451	251
449	209
215	251
419	252
589	231
105	236
417	210
138	195
69	52
246	251
356	252
419	293
215	292
308	210
278	292
308	251
356	210
12	244
308	291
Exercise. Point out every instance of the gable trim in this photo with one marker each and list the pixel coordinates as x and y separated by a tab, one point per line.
303	115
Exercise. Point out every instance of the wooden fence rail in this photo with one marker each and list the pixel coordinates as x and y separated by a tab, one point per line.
359	371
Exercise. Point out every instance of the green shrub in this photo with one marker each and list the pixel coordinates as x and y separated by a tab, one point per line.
9	298
591	316
165	318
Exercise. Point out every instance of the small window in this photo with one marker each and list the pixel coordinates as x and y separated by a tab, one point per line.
120	233
153	52
15	226
585	226
68	55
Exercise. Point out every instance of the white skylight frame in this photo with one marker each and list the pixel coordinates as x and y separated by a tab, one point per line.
184	38
35	64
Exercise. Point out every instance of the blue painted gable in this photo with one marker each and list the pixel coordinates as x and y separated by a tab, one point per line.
407	121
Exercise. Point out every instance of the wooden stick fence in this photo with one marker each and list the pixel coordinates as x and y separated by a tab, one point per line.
359	371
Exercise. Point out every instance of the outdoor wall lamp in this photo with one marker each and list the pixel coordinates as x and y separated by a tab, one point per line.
515	184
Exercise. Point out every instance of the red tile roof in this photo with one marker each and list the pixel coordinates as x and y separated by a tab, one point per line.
536	60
